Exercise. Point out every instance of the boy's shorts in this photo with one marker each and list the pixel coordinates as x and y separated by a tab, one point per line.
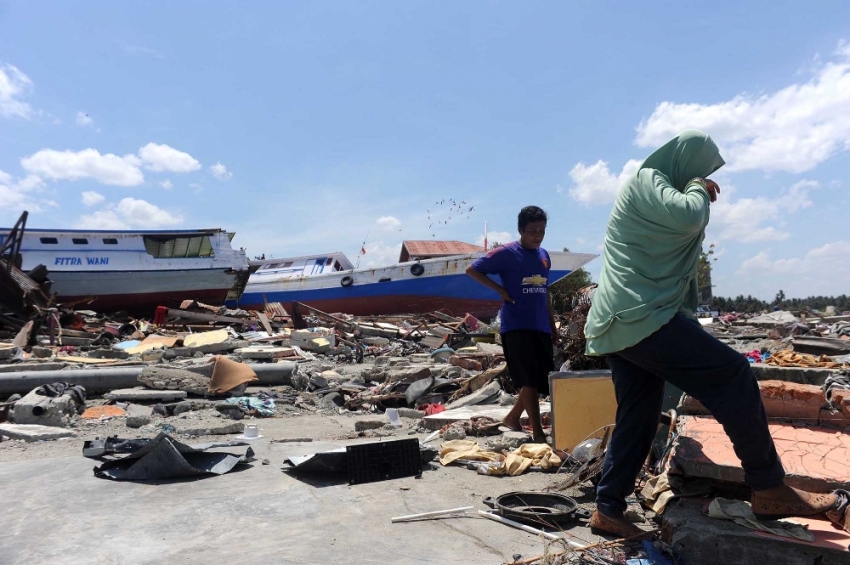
529	354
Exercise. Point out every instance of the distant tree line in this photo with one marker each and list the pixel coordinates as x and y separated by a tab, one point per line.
750	304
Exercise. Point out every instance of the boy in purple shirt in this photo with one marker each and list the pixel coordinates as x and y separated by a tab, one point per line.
528	323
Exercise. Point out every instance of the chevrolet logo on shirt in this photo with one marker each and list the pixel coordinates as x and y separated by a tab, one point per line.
536	280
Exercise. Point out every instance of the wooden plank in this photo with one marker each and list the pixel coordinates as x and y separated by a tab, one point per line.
86	361
264	320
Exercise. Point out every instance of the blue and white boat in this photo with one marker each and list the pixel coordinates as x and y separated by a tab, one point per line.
136	271
331	283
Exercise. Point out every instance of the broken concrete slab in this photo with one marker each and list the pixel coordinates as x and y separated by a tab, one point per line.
34	432
437	421
212	430
815	459
454	432
153	356
75	341
42	352
164	378
138	416
43	410
821	345
696	538
141	394
409	374
192	405
363	425
508	441
259	352
332	401
411	413
481	396
109	354
800	375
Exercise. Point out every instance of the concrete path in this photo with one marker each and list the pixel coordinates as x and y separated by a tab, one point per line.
57	512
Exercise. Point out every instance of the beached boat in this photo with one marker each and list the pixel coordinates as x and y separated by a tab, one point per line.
136	271
330	283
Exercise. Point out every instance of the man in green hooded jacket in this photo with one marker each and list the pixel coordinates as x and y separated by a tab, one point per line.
642	319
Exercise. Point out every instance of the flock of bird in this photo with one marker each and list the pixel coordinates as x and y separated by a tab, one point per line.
458	209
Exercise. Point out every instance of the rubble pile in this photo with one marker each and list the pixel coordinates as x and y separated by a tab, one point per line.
210	363
574	341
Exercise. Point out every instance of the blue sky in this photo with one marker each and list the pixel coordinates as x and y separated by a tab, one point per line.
304	126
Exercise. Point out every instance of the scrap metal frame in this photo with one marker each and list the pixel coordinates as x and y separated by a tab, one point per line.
10	245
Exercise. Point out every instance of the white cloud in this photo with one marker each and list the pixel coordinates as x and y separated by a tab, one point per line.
19	195
596	184
220	172
743	220
159	158
821	271
88	163
495	236
166	184
197	187
129	213
142	213
92	198
13	86
84	119
101	220
379	254
109	169
793	129
388	223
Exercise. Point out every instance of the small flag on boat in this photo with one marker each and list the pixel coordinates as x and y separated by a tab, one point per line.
363	251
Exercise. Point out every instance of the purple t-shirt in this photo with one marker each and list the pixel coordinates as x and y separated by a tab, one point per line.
525	275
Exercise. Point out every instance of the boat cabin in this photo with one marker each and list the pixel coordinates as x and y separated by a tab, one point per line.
304	266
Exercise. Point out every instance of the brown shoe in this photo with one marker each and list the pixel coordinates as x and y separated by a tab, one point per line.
601	524
785	502
840	514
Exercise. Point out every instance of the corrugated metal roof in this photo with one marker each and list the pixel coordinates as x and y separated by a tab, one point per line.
420	248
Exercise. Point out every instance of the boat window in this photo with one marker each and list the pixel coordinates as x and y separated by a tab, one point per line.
80	240
336	266
206	248
329	261
110	241
285	265
318	266
50	240
178	247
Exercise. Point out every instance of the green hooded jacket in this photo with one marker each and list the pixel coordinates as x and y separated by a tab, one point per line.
653	244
